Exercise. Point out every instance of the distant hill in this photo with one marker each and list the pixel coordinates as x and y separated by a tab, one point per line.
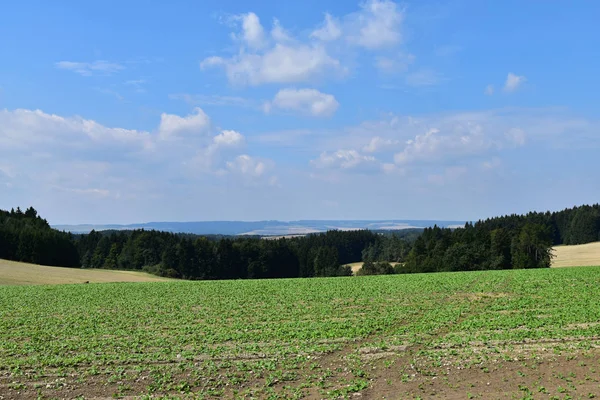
265	228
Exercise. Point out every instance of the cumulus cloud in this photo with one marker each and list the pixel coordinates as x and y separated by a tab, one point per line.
376	25
378	143
228	138
329	30
489	90
346	160
173	125
407	143
248	166
281	57
282	63
99	67
277	59
23	129
435	144
221	146
77	156
304	101
513	82
279	34
253	33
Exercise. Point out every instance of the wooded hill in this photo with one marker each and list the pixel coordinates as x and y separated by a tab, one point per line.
512	241
25	236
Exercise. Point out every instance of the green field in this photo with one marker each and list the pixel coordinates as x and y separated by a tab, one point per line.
491	334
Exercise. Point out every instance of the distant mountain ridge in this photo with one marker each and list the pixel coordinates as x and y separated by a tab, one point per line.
264	228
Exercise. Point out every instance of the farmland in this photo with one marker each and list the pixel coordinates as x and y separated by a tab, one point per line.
577	255
355	267
18	273
489	334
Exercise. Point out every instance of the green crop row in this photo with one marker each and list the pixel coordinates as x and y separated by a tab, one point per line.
228	328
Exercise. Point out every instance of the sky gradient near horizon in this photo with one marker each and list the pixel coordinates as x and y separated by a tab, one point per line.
135	111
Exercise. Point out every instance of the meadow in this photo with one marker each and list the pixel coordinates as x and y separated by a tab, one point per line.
489	334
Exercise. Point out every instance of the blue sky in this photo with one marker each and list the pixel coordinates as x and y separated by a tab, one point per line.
134	111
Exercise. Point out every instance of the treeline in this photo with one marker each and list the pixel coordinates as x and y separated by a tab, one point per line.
25	236
198	257
391	246
511	241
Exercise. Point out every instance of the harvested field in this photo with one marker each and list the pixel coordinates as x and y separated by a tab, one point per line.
358	265
577	255
16	273
493	334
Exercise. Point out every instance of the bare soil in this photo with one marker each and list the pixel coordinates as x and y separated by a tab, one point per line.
559	369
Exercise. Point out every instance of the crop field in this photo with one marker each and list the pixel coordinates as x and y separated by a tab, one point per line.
355	266
578	255
523	334
358	265
17	273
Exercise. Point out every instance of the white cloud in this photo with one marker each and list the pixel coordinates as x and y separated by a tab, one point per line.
253	33
378	143
435	145
304	101
222	145
247	166
376	25
513	82
346	160
22	129
330	30
228	138
489	90
281	63
283	58
76	160
174	125
279	34
69	165
424	141
99	67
